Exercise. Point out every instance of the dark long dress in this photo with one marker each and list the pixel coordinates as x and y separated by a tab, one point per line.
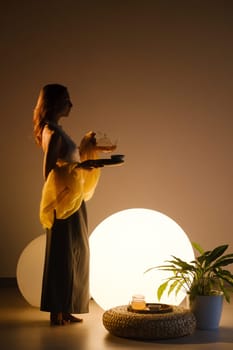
66	270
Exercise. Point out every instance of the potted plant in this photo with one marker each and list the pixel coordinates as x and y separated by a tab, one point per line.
205	280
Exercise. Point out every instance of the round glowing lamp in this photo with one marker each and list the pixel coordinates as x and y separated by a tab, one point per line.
29	270
124	246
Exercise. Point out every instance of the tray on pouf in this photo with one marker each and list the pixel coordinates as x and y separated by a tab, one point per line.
153	308
121	322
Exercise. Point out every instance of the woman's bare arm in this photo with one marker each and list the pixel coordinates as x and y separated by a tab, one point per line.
51	153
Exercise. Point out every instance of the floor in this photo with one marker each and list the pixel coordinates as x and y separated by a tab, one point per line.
25	327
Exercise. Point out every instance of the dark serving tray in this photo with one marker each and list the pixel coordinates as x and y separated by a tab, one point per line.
153	308
116	159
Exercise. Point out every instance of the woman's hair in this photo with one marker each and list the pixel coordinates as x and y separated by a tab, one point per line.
47	108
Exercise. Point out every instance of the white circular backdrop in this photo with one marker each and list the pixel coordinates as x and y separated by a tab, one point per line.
29	270
126	244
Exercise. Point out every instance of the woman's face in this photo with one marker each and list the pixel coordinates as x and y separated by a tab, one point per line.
64	105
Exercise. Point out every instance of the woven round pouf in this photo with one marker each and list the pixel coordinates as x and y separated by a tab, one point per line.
121	322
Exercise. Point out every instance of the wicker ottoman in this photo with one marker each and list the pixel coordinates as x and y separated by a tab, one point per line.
121	322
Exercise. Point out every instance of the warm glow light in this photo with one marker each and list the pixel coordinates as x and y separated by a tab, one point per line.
127	243
29	270
122	247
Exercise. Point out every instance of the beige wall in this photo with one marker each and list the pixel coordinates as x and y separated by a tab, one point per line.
157	75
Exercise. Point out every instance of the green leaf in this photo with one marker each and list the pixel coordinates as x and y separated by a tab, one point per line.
202	258
216	253
183	264
226	295
173	286
161	289
223	262
226	278
198	248
178	288
150	269
225	273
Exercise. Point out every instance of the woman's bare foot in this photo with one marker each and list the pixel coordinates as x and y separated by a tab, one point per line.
57	319
70	318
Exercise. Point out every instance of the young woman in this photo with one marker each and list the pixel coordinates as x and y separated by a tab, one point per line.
65	289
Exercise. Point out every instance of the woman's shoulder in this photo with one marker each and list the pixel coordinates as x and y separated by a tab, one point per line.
48	133
51	128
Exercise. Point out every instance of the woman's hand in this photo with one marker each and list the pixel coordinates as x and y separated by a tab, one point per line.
88	143
87	148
